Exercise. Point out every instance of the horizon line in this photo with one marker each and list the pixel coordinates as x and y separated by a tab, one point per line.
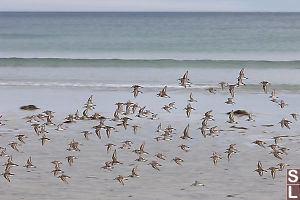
35	11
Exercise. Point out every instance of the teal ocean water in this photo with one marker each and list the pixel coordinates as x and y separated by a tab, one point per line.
78	43
181	36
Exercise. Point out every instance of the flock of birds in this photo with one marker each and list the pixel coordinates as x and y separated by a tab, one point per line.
121	118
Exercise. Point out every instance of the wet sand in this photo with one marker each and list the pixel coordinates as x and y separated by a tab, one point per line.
234	179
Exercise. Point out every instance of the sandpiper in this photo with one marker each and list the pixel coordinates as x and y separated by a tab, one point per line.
294	115
43	129
43	139
141	159
14	145
114	158
186	133
265	84
159	128
276	139
49	121
126	144
212	131
116	116
64	177
85	114
242	75
229	152
29	163
276	154
229	101
259	143
109	145
73	146
108	130
212	90
136	90
273	146
86	134
134	107
49	113
107	165
160	156
69	119
59	127
56	163
274	100
231	89
124	122
10	162
141	150
128	107
282	166
282	104
155	165
188	109
120	179
98	131
272	96
208	116
56	171
178	160
240	81
285	123
284	150
70	159
215	157
20	138
223	85
273	171
184	147
3	152
166	108
163	93
7	174
172	105
259	169
250	117
119	107
76	116
185	81
153	117
203	131
133	172
197	183
231	118
135	127
192	99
